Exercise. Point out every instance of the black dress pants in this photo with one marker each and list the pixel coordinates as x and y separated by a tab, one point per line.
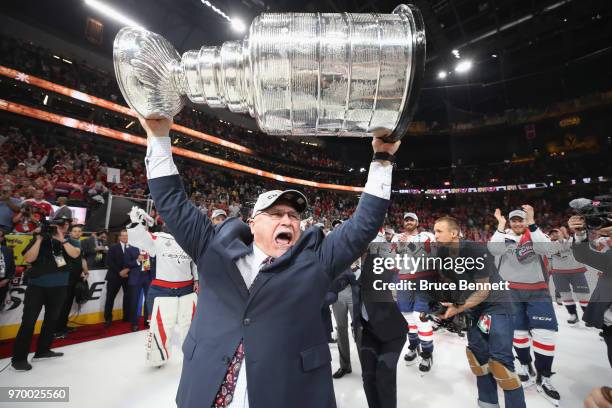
379	367
112	288
52	298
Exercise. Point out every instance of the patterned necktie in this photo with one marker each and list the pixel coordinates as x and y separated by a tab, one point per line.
225	394
266	261
228	386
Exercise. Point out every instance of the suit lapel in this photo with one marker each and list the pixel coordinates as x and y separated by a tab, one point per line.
235	250
261	279
267	272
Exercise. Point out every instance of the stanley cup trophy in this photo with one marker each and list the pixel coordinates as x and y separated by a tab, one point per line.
322	74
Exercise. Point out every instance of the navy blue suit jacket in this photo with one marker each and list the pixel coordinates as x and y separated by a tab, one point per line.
384	317
288	362
115	261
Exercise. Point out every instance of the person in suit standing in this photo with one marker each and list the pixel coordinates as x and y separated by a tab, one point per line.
139	278
380	329
343	287
342	308
117	278
257	339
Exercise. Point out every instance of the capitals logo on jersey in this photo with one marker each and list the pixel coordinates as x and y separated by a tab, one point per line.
524	247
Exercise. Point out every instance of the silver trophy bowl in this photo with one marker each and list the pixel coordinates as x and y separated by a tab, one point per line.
321	74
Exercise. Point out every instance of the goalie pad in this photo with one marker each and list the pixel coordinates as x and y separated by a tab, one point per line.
163	319
506	379
186	310
477	368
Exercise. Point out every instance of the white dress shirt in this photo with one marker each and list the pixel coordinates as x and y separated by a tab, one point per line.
159	163
249	268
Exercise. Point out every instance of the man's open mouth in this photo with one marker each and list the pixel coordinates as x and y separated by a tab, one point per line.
283	238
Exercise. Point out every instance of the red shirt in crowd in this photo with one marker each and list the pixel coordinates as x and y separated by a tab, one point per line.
43	205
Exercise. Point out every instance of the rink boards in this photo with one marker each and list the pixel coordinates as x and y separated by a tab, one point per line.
90	313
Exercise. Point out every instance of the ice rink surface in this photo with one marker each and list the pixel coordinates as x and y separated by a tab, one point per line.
111	372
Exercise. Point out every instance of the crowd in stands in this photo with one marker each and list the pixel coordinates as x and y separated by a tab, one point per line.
71	164
47	164
539	168
44	163
525	115
272	153
34	60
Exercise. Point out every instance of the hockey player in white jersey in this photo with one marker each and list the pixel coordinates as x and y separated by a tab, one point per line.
414	304
568	274
519	254
172	295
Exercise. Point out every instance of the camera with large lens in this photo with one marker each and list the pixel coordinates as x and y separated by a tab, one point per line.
49	228
26	211
457	324
597	213
436	308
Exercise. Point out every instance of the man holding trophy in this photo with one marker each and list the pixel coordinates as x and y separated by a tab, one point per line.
257	339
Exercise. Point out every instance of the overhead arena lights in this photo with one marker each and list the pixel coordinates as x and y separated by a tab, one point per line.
110	12
463	66
236	23
514	23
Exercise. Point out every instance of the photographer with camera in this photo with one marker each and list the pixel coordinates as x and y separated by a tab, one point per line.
488	311
26	220
48	253
595	216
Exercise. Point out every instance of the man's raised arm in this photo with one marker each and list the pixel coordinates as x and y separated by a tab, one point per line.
191	229
139	237
346	243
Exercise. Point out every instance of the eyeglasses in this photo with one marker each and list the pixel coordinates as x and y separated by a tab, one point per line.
278	214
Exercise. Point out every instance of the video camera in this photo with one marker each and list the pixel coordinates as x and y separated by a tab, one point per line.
457	324
49	228
436	308
597	213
